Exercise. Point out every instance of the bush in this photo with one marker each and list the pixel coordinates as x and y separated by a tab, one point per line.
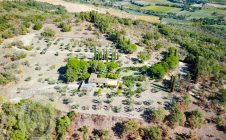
158	46
62	125
18	56
5	78
65	27
157	71
158	115
48	32
37	26
130	126
17	135
143	56
196	119
221	97
177	117
152	133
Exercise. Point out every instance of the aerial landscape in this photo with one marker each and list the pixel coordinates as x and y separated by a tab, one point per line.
113	69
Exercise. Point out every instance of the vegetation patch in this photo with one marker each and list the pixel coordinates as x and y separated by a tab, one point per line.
158	8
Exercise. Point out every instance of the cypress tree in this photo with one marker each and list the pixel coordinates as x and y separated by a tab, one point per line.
172	83
112	55
103	55
106	53
98	55
95	53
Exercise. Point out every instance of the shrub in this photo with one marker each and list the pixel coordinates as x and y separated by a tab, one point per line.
65	27
62	125
221	97
102	133
186	100
177	117
158	46
152	133
143	56
157	71
220	120
48	32
5	78
196	119
130	126
17	135
158	115
37	26
18	56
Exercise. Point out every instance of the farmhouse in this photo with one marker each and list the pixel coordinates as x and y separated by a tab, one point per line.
102	81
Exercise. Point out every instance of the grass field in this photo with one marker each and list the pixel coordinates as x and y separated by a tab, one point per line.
152	19
203	13
220	11
159	8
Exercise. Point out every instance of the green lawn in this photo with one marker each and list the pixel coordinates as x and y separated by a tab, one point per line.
158	8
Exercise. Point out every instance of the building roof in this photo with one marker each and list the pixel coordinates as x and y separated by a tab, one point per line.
93	79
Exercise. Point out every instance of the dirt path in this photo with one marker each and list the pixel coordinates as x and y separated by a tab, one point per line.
77	7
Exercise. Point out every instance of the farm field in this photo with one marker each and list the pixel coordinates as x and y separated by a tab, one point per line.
159	8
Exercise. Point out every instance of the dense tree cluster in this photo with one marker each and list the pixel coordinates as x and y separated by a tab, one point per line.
171	61
28	13
150	36
206	52
81	69
105	55
121	42
104	23
27	119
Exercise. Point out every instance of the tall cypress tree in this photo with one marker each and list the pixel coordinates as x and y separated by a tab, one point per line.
106	53
112	55
95	53
98	55
172	83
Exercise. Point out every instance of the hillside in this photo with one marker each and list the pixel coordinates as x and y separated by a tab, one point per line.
92	70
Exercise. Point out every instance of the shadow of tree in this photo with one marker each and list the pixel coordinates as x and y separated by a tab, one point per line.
62	71
160	87
182	136
147	115
118	129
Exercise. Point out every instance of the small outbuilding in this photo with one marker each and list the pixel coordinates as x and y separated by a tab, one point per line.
88	89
